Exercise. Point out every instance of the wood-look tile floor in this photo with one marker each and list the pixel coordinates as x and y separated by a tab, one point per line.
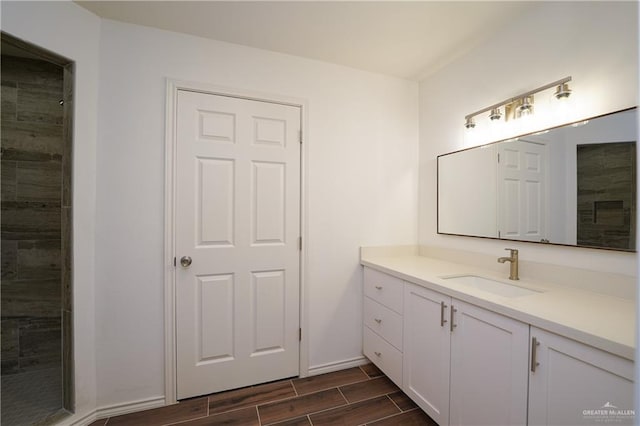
356	396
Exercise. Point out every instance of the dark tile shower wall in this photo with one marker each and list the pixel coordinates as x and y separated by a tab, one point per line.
33	200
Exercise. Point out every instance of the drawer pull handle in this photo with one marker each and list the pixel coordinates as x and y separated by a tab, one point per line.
452	325
534	362
378	353
442	308
378	287
378	320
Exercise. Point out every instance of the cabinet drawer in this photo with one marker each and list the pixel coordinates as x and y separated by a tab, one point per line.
383	355
384	321
384	289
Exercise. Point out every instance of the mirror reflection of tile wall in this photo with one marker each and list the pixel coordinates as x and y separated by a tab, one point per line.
606	188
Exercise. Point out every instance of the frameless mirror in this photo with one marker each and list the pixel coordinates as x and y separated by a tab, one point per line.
570	185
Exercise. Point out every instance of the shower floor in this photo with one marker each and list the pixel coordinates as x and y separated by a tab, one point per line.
29	398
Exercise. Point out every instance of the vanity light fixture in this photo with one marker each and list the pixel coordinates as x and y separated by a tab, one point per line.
525	106
470	124
563	91
521	105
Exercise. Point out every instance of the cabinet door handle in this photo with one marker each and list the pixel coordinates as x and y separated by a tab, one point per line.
442	308
378	320
452	325
378	353
378	287
534	351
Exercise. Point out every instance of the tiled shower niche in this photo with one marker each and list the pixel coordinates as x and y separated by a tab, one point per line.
36	236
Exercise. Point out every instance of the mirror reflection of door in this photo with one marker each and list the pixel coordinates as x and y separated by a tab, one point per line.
522	193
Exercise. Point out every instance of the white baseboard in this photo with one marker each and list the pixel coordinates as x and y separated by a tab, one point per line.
114	410
130	407
337	365
78	419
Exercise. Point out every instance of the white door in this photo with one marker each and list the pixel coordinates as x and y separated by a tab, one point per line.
522	194
427	351
238	221
574	384
489	359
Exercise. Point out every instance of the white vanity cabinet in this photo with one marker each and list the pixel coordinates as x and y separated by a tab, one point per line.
464	365
572	384
382	317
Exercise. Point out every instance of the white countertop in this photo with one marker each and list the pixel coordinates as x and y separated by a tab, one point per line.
605	322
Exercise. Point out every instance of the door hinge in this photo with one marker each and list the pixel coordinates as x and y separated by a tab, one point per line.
498	157
300	135
174	262
300	335
300	243
498	234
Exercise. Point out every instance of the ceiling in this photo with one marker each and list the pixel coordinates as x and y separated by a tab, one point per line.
407	39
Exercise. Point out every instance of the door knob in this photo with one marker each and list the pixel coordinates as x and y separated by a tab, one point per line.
185	261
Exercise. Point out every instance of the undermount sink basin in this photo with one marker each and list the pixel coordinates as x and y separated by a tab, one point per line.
491	286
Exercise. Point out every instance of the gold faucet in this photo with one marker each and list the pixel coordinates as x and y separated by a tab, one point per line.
513	270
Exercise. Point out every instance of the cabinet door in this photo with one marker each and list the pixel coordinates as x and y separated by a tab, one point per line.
575	384
427	351
489	360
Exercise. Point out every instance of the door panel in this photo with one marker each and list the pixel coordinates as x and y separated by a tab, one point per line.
268	208
268	302
215	318
215	211
238	219
522	194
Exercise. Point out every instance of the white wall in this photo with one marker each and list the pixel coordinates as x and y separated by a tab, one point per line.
71	31
362	176
594	42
